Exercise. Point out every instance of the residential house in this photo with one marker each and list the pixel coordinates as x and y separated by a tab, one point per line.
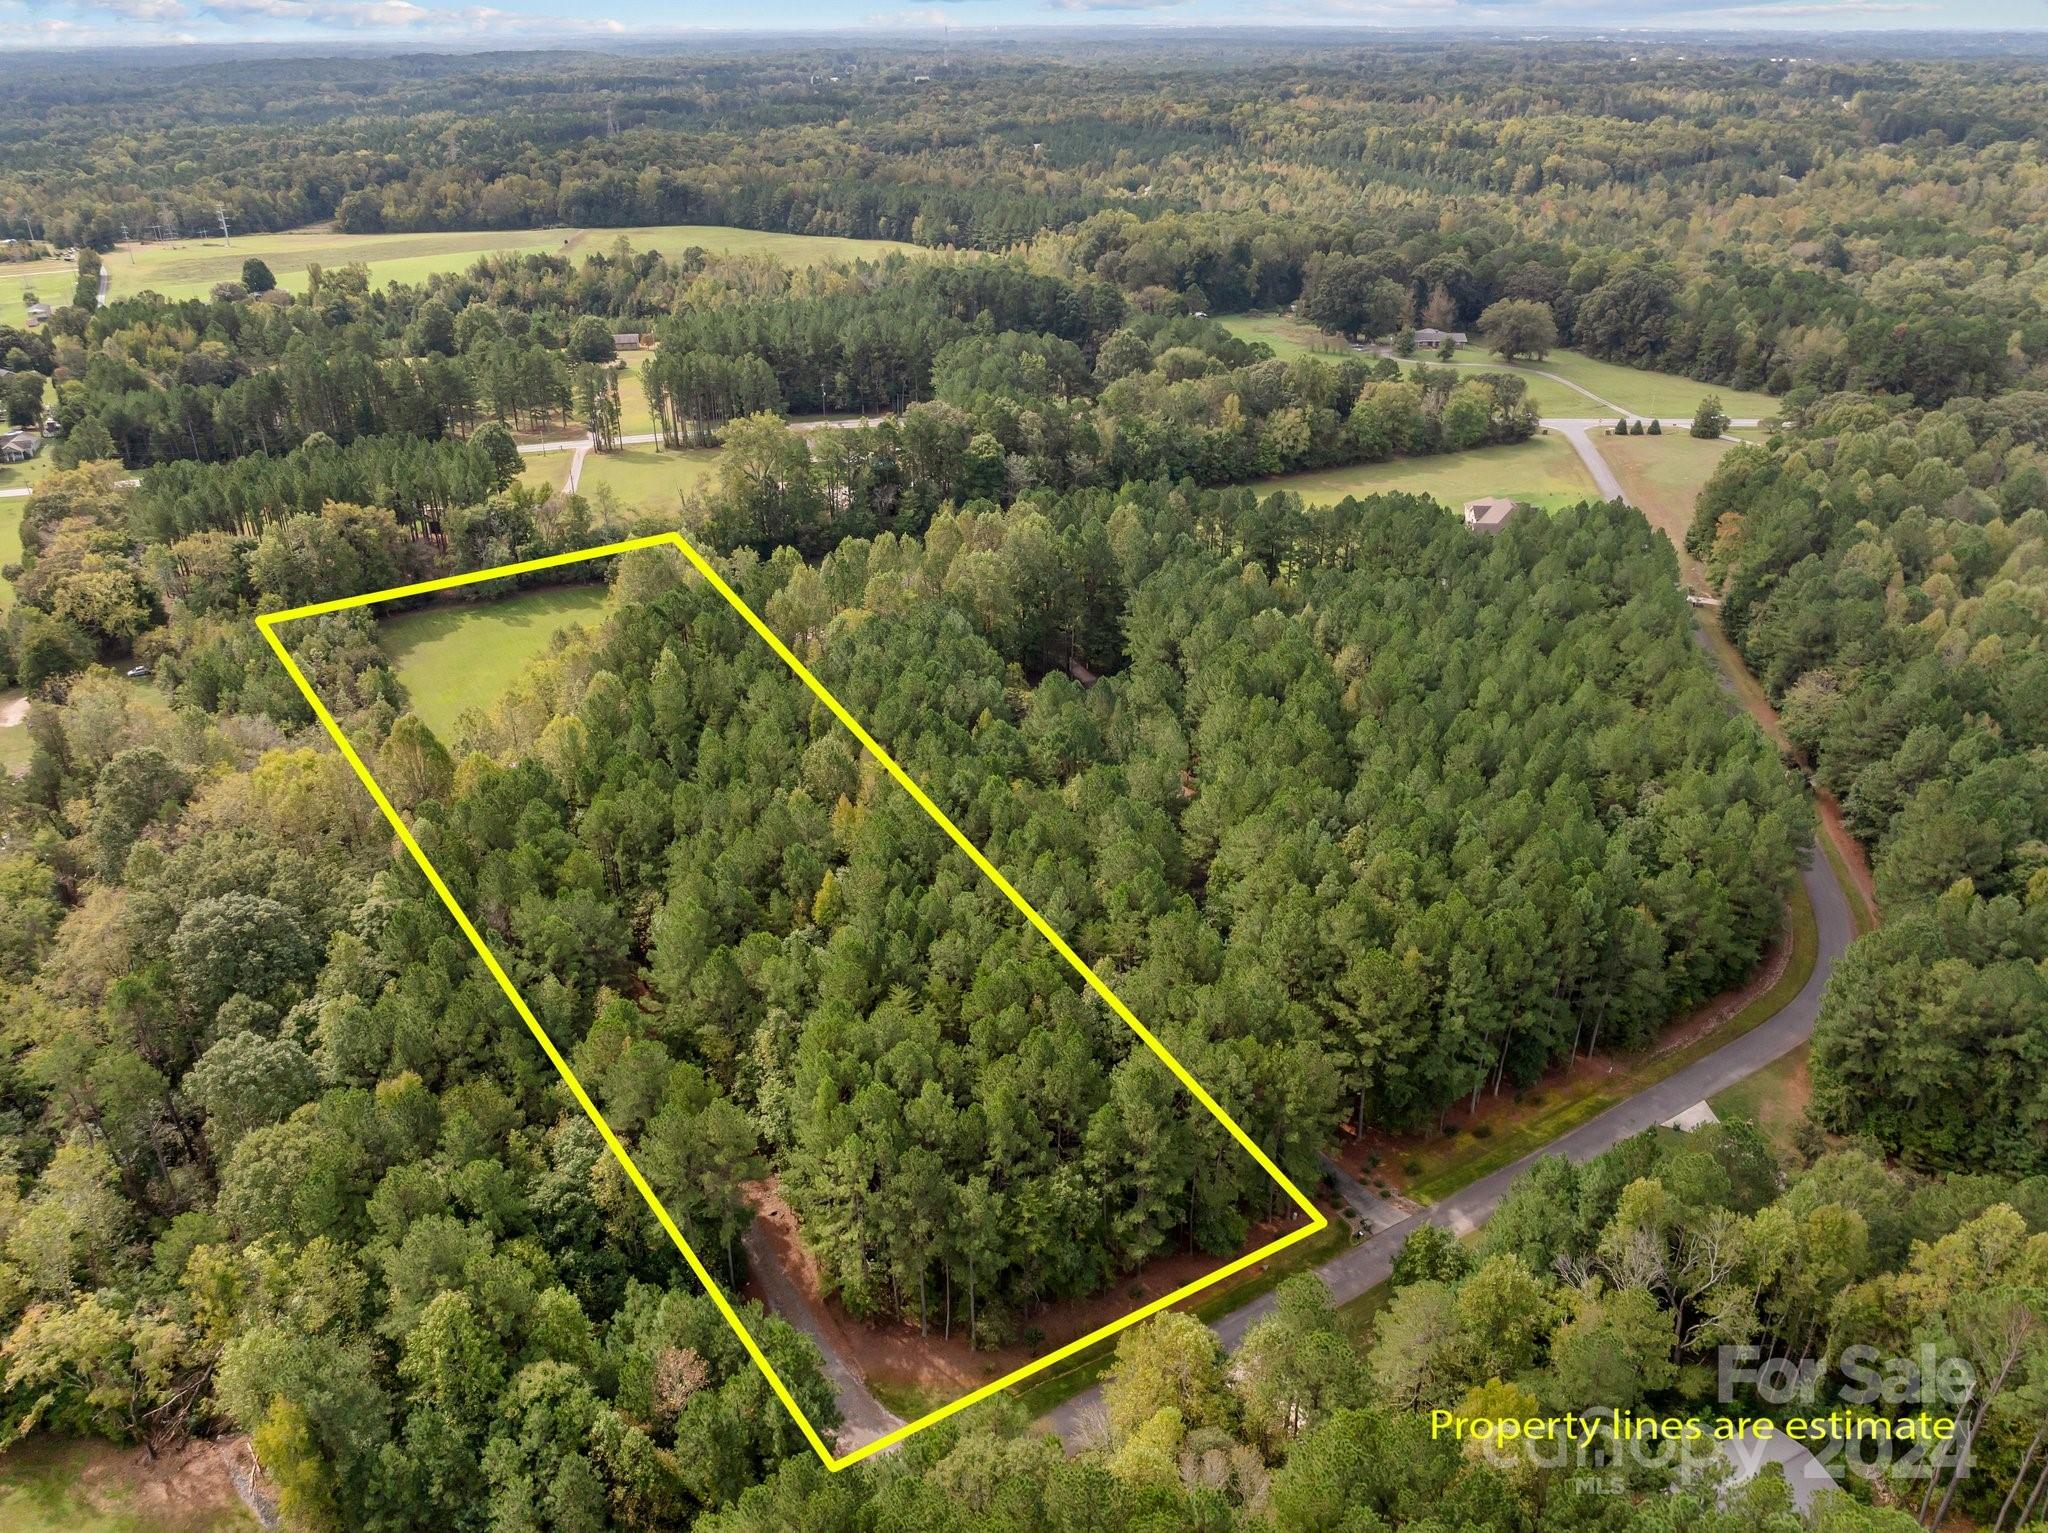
1432	338
19	446
629	340
1490	513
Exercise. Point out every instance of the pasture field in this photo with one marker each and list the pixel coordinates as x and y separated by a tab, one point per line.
1663	476
190	268
1543	471
1633	390
545	470
14	476
458	655
647	477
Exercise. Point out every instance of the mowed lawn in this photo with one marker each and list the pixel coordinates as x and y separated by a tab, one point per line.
1663	475
190	268
454	656
648	477
1543	471
545	470
11	510
1630	390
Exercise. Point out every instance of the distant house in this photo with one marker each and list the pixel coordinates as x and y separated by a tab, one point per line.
38	312
1490	514
19	446
630	340
1433	338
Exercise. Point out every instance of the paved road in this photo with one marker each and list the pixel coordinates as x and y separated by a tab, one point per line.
1079	1422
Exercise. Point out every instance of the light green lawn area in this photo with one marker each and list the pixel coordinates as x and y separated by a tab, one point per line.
11	510
648	477
636	416
49	1485
1543	471
1632	390
458	655
190	268
14	476
53	283
545	470
1663	476
1288	337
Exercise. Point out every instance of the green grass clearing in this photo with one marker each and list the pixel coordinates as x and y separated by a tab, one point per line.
454	656
191	268
55	1485
545	470
648	477
16	476
11	511
1449	1164
1543	471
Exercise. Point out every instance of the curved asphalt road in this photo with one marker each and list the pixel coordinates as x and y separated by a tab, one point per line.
1079	1422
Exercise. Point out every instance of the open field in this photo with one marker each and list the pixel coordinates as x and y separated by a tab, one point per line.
11	511
57	1485
1648	394
12	477
190	268
1663	476
545	470
1543	471
646	476
458	655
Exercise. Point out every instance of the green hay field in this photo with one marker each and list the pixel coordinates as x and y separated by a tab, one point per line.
1543	472
458	655
190	268
647	477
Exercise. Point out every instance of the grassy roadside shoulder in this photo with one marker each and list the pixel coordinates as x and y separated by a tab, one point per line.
1470	1158
1058	1385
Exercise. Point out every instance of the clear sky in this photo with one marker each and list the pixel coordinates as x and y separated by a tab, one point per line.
523	23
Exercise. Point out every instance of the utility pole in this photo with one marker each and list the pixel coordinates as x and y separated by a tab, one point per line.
222	214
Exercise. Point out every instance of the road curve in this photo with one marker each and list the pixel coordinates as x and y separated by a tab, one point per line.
1080	1421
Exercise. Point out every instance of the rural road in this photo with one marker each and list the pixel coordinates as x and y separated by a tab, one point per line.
863	1418
1080	1422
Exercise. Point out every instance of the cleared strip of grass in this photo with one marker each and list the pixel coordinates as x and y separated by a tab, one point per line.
1469	1159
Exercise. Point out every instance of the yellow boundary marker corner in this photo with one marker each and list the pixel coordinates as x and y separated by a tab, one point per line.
1318	1221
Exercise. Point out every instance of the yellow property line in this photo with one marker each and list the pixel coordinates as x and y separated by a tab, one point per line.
1318	1221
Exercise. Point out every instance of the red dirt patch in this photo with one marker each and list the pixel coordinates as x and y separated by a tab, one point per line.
894	1353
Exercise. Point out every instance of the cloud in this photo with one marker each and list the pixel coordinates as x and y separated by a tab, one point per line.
1112	5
